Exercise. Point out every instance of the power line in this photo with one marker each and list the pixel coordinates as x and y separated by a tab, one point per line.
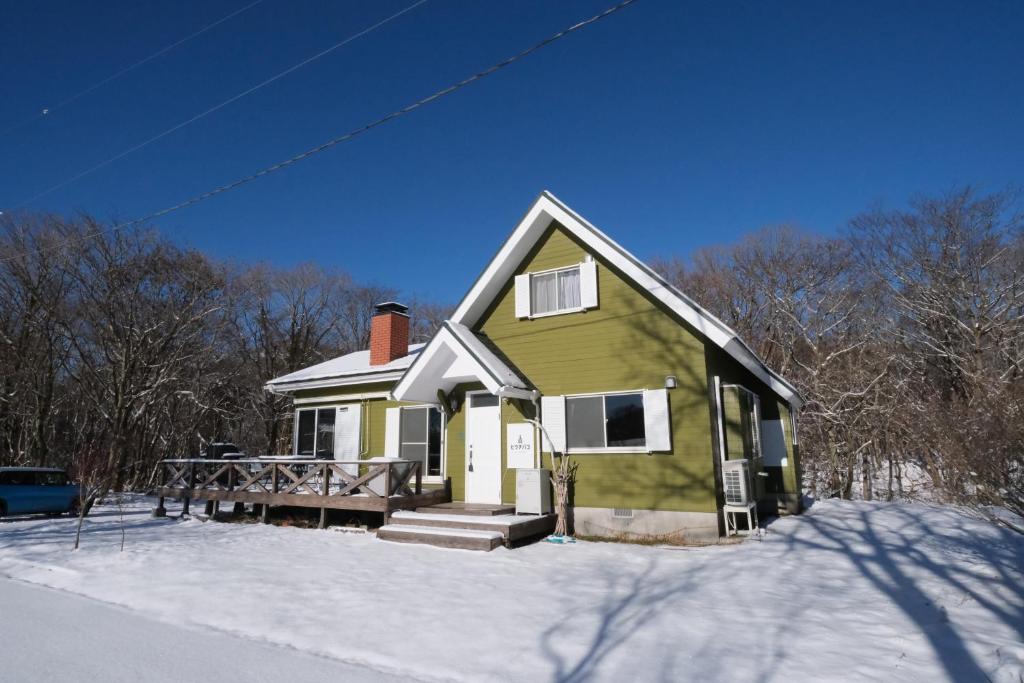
99	84
347	136
217	107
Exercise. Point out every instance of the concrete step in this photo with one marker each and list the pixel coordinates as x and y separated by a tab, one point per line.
469	509
465	539
512	527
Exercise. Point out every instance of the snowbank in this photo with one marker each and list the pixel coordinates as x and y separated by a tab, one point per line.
848	591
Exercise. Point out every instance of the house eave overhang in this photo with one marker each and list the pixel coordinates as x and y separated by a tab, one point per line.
455	356
546	209
288	388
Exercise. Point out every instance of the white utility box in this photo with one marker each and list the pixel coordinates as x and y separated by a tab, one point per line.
533	491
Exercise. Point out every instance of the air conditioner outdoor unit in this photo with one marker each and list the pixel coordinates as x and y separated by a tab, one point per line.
736	475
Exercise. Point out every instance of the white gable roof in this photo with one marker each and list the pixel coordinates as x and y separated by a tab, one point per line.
453	356
352	368
548	208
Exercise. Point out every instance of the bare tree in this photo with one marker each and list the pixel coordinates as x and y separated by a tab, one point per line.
142	309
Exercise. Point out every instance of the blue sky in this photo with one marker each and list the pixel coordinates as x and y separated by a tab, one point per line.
670	125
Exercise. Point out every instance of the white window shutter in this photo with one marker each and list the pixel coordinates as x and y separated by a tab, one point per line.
523	295
588	284
657	427
552	412
347	433
392	424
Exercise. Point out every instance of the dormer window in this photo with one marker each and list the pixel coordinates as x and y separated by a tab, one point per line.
569	289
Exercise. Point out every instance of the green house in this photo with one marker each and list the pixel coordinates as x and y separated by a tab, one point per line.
567	344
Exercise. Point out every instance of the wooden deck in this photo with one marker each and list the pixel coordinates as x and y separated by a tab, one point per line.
381	485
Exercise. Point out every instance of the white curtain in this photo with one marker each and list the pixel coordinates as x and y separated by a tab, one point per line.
569	288
545	293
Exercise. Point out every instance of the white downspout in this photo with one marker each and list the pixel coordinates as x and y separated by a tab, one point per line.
720	420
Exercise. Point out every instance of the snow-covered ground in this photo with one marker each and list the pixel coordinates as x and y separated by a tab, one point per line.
848	591
53	635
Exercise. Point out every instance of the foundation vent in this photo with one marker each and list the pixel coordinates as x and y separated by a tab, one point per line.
622	513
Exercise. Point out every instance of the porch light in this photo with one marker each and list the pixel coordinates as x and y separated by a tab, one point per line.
671	382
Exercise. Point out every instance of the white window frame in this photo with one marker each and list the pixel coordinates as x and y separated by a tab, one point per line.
316	423
435	478
558	311
792	425
603	449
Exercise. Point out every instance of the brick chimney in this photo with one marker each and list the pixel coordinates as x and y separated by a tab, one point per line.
389	333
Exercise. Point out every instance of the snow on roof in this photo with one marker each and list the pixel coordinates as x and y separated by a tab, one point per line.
349	365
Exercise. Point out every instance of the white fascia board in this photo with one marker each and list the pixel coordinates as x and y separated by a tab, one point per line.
343	381
484	357
748	359
549	208
501	266
340	398
448	347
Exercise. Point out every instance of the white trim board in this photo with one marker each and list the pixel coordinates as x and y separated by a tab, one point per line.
340	399
548	208
367	378
455	355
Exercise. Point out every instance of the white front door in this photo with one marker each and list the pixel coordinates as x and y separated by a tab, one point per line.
347	431
483	448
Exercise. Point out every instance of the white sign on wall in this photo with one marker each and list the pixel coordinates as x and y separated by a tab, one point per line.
519	446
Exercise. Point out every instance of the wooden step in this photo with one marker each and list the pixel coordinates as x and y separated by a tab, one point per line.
512	527
471	509
465	539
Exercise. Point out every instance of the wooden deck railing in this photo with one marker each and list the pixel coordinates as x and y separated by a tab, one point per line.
380	485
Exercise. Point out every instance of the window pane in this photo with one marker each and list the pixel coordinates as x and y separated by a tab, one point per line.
569	289
325	433
544	293
414	451
434	444
584	418
51	479
414	425
625	424
306	433
483	400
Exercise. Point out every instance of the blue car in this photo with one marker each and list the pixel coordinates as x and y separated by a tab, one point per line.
26	490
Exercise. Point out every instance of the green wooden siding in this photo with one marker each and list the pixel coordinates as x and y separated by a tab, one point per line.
630	342
782	481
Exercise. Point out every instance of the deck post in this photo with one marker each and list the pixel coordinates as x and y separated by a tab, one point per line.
325	488
211	507
160	510
265	513
239	507
216	503
387	492
188	489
